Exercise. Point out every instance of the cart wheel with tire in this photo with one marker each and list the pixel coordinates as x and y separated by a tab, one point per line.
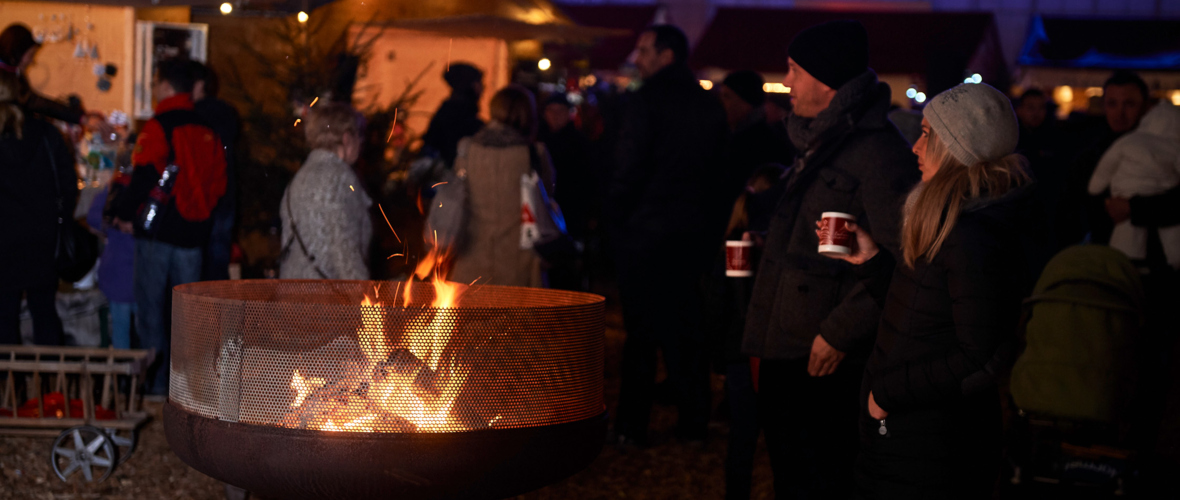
74	393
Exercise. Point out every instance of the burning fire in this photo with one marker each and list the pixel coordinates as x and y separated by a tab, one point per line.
406	384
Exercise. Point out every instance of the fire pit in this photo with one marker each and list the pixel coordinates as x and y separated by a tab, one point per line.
361	389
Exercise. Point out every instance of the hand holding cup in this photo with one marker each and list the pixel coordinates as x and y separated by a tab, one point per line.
840	237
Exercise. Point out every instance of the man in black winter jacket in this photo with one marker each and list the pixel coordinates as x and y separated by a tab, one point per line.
458	116
225	121
666	206
810	320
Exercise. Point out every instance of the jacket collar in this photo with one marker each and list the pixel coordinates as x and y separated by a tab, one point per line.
178	101
862	103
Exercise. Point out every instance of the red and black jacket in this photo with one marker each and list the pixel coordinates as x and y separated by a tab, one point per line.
179	135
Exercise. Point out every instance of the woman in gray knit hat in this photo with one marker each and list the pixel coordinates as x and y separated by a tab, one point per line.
930	420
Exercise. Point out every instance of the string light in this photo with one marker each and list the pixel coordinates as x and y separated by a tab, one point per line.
921	97
776	88
707	84
226	8
911	92
544	64
302	16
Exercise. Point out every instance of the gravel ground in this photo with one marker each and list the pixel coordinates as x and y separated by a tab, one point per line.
667	469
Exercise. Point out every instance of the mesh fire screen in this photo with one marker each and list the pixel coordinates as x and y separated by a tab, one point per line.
352	356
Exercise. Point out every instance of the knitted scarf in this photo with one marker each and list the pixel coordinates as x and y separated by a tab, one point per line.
846	108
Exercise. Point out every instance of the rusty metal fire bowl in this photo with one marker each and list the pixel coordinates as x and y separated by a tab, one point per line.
366	389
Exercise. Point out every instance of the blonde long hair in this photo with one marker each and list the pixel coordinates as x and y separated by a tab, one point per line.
934	207
11	117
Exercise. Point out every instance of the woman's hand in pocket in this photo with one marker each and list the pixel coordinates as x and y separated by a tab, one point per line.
874	410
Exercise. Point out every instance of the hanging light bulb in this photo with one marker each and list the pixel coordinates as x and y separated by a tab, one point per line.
226	8
921	97
544	64
302	17
911	92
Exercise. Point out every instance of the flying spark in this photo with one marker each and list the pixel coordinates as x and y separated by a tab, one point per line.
313	101
392	256
297	120
473	281
437	185
393	127
399	239
350	187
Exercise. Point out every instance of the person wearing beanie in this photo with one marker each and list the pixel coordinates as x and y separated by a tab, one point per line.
666	219
458	116
753	144
810	321
930	423
17	50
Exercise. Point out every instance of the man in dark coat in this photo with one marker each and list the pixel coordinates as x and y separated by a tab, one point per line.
810	320
568	148
224	120
1082	217
667	208
458	116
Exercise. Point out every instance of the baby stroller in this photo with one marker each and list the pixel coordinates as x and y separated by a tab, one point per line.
1072	386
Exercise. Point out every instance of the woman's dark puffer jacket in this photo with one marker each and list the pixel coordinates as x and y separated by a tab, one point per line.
947	328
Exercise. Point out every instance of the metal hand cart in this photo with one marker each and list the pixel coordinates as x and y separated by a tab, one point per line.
53	391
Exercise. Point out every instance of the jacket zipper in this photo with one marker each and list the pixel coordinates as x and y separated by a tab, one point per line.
882	430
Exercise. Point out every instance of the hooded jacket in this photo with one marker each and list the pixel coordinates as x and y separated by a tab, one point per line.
853	161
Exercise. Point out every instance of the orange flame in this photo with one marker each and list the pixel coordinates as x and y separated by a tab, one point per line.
303	387
387	388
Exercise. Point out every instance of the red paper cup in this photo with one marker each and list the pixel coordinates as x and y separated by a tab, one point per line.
737	258
834	237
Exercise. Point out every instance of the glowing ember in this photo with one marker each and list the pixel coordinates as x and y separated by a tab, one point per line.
303	387
405	383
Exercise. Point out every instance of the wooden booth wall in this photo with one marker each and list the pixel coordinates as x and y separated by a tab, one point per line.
57	73
399	56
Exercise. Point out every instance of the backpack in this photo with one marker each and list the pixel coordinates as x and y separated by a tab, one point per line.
184	162
1086	311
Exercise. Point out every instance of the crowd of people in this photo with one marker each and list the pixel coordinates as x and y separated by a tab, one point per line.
875	374
166	216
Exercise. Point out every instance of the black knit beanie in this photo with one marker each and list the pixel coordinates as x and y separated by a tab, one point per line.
833	52
462	76
747	84
15	41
